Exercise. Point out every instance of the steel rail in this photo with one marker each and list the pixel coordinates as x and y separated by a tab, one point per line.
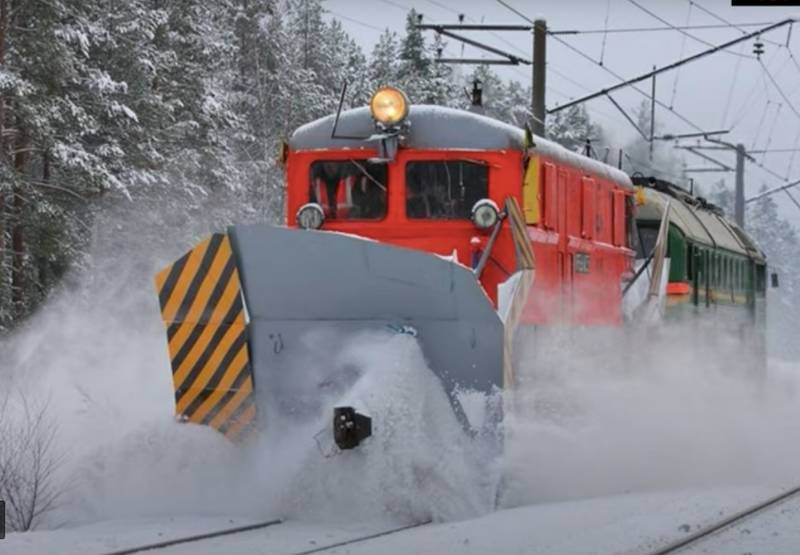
391	531
250	527
195	538
705	533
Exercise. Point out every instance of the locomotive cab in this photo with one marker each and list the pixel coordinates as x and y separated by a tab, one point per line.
437	179
439	191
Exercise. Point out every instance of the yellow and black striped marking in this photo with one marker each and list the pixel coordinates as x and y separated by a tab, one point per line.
201	305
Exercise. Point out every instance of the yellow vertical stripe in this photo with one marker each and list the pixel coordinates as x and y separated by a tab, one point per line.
530	191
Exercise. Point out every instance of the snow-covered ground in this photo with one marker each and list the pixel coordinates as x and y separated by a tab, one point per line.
601	456
629	524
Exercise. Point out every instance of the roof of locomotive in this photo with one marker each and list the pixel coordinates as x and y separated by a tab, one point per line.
438	127
697	219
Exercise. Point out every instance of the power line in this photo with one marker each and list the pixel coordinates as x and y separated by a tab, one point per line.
637	89
605	35
653	29
761	123
731	89
678	71
668	67
771	130
352	20
605	68
780	91
691	36
396	5
725	21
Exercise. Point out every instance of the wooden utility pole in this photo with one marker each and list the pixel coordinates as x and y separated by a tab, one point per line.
538	74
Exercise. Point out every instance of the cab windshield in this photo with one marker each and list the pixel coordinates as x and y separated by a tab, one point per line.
349	189
445	190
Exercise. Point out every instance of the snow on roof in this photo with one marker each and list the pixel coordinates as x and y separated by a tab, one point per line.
591	166
698	223
431	127
438	127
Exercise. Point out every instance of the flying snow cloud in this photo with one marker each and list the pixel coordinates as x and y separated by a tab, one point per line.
610	413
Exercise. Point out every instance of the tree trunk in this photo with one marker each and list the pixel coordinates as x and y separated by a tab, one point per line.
3	157
17	243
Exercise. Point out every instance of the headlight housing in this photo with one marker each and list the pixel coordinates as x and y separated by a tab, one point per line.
389	106
485	214
310	216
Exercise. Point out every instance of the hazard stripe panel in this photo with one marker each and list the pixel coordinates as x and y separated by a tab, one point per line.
201	304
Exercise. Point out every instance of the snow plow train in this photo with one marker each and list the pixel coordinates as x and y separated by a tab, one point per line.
416	219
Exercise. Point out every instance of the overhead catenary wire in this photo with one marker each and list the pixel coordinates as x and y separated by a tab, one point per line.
760	124
606	68
738	26
685	33
635	88
732	88
746	107
794	152
771	130
678	71
353	20
605	35
780	90
654	29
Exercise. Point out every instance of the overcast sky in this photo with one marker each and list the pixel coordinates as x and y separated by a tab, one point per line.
722	91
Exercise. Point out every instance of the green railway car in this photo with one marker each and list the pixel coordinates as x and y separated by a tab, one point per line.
717	273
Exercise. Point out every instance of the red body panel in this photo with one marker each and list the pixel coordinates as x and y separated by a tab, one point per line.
577	218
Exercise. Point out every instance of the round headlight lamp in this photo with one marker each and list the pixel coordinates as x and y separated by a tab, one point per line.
485	214
310	216
389	106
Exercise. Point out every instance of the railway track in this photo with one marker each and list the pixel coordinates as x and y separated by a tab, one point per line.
258	526
726	523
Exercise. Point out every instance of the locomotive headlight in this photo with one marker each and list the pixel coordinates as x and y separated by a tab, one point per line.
310	216
389	106
485	214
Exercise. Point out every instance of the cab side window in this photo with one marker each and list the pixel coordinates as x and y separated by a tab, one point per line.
444	190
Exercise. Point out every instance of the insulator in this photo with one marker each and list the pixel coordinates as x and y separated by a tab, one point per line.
758	48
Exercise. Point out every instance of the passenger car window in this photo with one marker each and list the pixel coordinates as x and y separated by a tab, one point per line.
349	189
444	190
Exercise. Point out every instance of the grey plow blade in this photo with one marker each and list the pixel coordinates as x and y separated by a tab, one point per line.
307	292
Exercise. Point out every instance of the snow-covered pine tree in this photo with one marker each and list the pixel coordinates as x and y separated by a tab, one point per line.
781	243
573	127
58	150
384	65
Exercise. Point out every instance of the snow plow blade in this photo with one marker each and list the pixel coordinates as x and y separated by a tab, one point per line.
320	287
313	291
